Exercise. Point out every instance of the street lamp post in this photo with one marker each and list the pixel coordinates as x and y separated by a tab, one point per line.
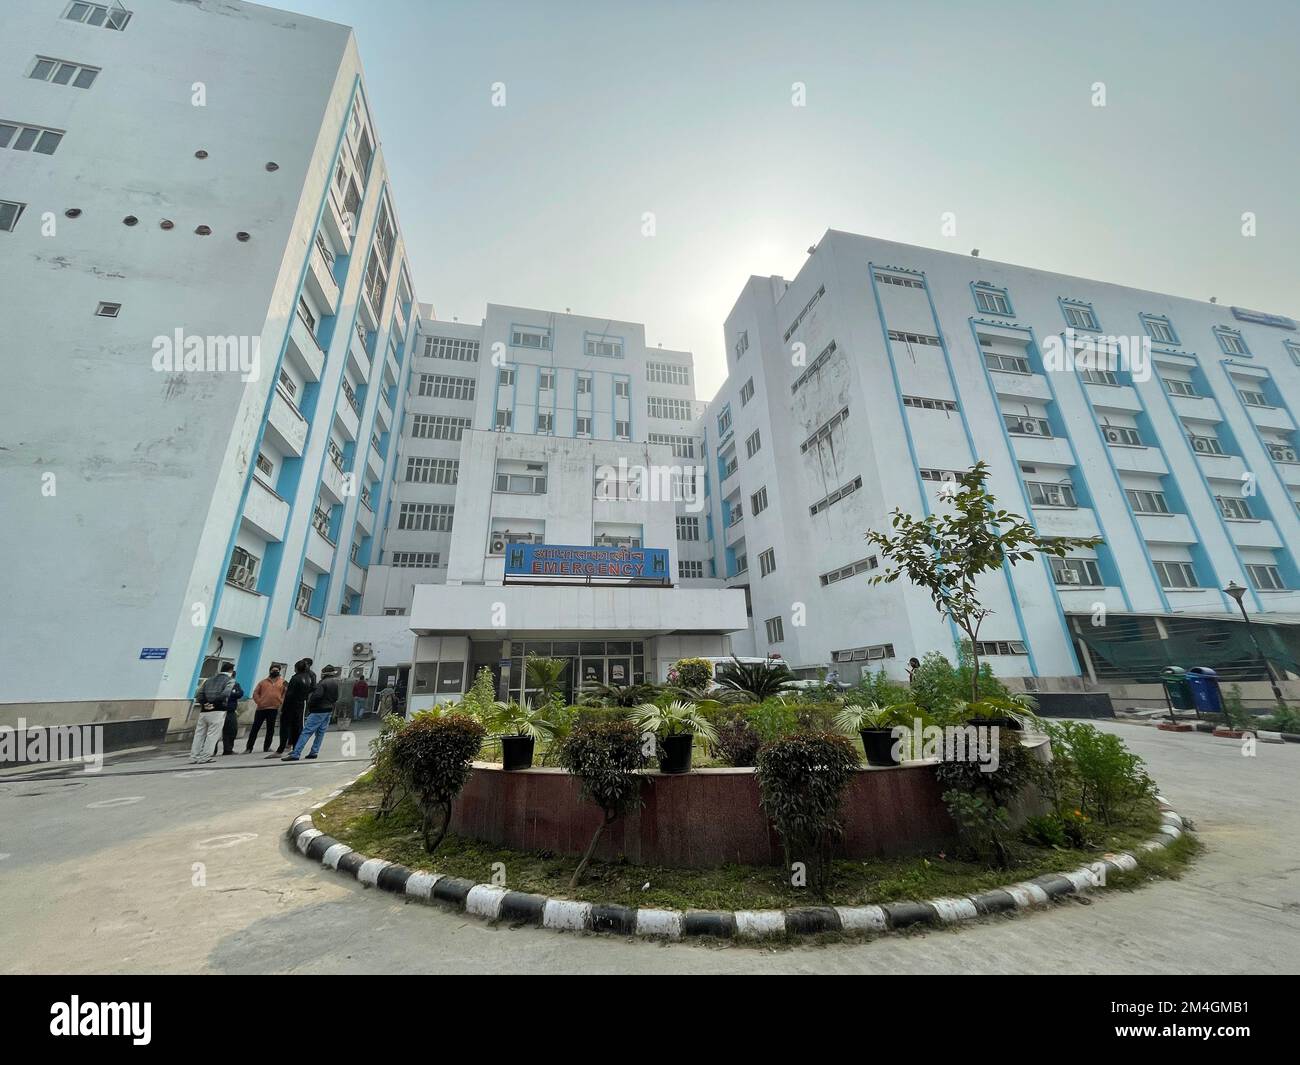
1238	593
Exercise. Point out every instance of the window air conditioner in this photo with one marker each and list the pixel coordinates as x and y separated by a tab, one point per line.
363	650
1113	436
1070	576
239	575
1029	428
1287	454
1199	444
497	546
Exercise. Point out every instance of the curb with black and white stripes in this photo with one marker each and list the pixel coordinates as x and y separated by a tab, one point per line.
494	903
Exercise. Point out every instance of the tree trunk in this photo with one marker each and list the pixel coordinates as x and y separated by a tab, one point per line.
591	849
445	809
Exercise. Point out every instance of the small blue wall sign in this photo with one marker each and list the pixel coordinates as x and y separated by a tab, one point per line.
154	654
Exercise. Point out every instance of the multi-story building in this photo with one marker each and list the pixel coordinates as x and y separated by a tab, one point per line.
209	319
1163	425
539	428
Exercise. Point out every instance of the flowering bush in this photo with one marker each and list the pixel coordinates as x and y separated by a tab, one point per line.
693	673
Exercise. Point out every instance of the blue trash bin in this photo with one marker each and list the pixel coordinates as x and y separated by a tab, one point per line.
1206	696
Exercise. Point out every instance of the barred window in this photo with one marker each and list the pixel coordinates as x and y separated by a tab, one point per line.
451	348
664	373
663	407
425	470
445	386
688	527
438	427
414	559
426	517
683	446
688	569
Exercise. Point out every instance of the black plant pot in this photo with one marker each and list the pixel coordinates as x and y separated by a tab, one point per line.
1009	723
516	752
879	745
675	753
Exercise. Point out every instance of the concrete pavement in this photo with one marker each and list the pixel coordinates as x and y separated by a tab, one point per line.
153	867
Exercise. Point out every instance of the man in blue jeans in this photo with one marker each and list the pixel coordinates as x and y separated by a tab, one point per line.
320	708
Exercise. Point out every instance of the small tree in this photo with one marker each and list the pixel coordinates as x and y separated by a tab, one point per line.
433	755
694	674
946	553
605	757
545	676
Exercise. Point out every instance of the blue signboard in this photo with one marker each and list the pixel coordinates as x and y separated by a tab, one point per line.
567	562
155	654
1261	318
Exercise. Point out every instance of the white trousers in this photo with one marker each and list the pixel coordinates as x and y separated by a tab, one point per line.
207	733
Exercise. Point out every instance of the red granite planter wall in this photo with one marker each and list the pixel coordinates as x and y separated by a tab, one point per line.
701	819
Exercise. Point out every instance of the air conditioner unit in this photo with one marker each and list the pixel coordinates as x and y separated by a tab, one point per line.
1200	444
239	575
1114	436
1070	576
1287	454
497	546
363	650
1029	428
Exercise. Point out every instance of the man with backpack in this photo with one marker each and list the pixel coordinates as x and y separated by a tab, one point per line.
213	696
320	708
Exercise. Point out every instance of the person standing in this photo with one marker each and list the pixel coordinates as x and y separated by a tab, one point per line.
230	726
295	698
360	690
211	697
268	697
913	664
320	708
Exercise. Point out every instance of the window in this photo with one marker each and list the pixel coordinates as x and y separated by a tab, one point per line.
663	407
264	465
1253	399
414	559
1292	349
1025	425
1146	502
1234	508
1231	342
683	446
807	307
1001	647
303	601
546	380
582	425
1281	452
1075	571
864	654
767	562
1265	578
545	422
1175	575
1159	329
29	138
584	384
63	73
1176	387
421	469
243	569
992	300
604	348
506	377
758	501
688	527
426	517
731	466
1079	315
445	386
845	572
623	430
1098	377
1205	445
924	403
747	392
1043	494
505	419
530	338
814	368
949	476
724	421
394	611
1122	436
923	339
742	564
438	427
752	444
835	497
451	348
531	481
621	388
666	373
688	570
775	629
10	212
1006	363
114	18
742	344
824	431
897	279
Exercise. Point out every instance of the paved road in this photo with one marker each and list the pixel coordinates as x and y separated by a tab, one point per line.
150	867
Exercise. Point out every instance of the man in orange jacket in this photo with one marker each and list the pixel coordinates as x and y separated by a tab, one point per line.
268	697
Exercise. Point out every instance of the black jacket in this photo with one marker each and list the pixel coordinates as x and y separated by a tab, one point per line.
323	696
296	691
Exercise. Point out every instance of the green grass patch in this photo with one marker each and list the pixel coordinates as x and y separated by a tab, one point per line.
351	819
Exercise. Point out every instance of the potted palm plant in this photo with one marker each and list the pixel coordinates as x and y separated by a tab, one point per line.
752	682
675	725
876	725
521	726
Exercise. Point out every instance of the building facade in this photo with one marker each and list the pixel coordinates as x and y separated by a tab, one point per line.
1163	425
216	317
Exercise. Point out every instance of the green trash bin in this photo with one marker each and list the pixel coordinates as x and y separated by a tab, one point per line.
1178	691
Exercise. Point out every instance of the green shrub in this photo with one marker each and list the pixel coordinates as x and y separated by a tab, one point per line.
480	702
754	681
432	754
802	779
386	774
737	743
605	756
938	686
773	718
1284	719
978	801
877	688
1235	714
1067	829
693	673
1111	779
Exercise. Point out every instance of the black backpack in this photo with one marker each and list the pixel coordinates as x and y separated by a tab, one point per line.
215	689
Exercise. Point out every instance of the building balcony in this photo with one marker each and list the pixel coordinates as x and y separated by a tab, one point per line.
384	415
1166	528
1254	533
304	349
735	533
265	512
1084	600
1114	397
1195	600
392	371
345	416
320	550
1222	467
355	578
1271	418
358	358
340	231
1049	450
1130	459
1289	472
320	278
1021	386
332	478
1066	521
366	516
286	425
1196	408
241	612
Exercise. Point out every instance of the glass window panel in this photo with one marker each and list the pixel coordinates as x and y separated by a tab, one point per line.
85	79
48	142
64	74
25	140
596	648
